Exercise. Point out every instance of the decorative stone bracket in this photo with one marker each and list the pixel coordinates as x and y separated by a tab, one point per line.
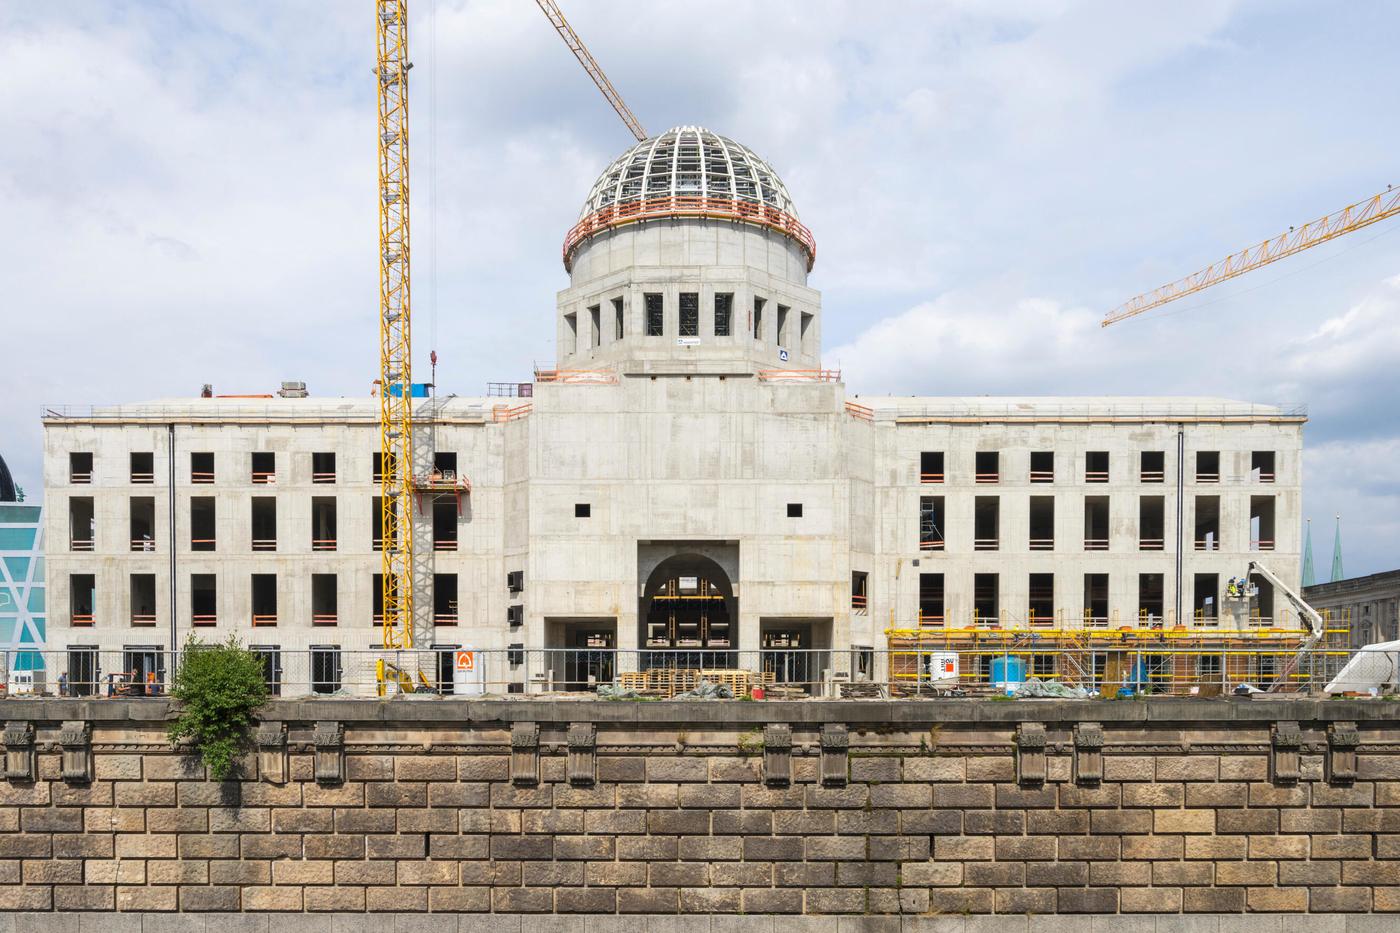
328	741
19	751
583	745
1030	754
525	753
1088	754
777	754
1285	764
1342	741
271	740
75	739
836	752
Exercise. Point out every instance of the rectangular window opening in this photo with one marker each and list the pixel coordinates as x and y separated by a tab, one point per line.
656	315
1261	466
264	523
986	523
1261	523
1096	466
1042	466
1207	510
264	587
323	467
931	466
1042	523
582	510
325	599
82	524
1205	597
204	599
80	469
931	596
794	510
595	326
803	344
143	468
986	599
690	314
571	333
271	658
1096	600
1207	466
1151	599
264	467
931	523
82	598
782	325
325	668
1040	599
323	523
1096	523
758	304
143	523
201	468
445	524
724	314
1154	467
988	466
619	321
444	599
202	523
860	580
383	523
1152	523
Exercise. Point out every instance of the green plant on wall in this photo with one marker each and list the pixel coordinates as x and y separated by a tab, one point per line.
219	688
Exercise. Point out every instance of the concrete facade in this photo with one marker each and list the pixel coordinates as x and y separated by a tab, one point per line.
645	459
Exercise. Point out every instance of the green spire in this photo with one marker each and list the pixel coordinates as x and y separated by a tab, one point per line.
1337	553
1309	574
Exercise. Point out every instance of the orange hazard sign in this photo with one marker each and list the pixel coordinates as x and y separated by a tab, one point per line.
466	660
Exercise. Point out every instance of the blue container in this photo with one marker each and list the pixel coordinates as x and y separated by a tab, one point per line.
1008	672
416	390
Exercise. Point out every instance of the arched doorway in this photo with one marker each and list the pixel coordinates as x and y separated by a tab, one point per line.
688	610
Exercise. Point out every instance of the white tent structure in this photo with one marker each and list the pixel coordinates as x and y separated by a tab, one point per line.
1374	667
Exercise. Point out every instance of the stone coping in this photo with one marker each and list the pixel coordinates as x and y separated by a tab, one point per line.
893	713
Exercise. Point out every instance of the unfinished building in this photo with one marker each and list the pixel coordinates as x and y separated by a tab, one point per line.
686	478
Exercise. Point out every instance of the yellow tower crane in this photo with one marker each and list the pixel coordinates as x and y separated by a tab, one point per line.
1352	217
585	58
395	358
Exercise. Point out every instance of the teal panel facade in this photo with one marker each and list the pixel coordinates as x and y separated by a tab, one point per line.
22	599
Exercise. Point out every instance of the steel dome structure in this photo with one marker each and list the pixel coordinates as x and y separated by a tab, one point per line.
688	171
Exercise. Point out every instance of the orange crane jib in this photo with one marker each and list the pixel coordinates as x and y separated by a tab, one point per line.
585	58
1352	217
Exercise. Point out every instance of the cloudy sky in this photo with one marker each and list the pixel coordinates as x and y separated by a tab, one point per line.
187	196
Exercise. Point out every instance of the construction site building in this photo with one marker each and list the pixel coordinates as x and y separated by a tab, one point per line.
686	476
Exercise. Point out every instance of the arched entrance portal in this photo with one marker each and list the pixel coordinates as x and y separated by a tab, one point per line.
688	608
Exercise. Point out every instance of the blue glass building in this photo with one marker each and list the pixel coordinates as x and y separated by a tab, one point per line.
22	605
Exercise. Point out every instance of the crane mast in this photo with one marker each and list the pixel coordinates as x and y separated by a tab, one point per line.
395	369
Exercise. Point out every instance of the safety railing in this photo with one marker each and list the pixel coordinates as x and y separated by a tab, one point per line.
444	544
201	478
143	544
142	479
866	414
143	618
1266	477
323	478
264	544
1095	476
204	620
1151	544
1152	476
1042	544
504	413
859	602
324	544
930	620
80	477
80	544
937	662
1207	544
80	619
674	206
986	544
1096	544
930	544
992	477
799	375
264	478
930	478
203	544
445	618
1207	478
596	377
266	619
1261	544
1042	476
325	618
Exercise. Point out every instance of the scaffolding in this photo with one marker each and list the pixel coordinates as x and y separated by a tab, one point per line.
1100	655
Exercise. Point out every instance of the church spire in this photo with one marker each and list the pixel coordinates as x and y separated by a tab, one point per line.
1309	574
1337	553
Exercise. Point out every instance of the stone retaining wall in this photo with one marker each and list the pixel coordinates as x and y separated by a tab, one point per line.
915	808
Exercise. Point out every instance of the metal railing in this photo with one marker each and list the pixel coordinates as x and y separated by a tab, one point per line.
935	661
